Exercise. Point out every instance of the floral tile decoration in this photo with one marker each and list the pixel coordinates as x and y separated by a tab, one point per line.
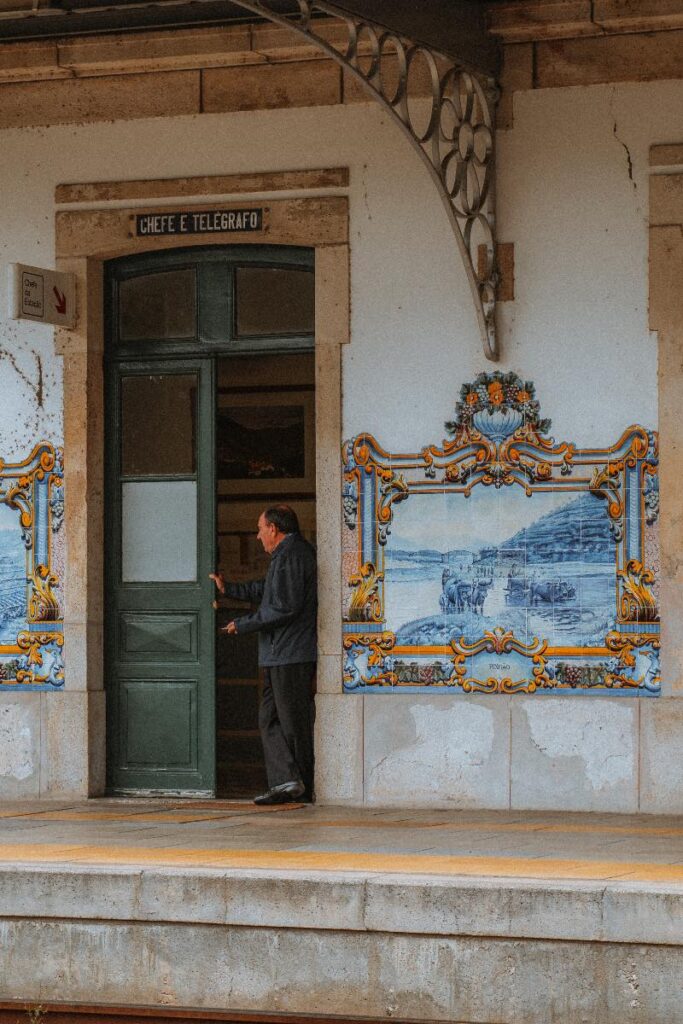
31	571
501	562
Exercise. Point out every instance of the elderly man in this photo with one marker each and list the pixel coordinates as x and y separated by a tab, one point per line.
286	623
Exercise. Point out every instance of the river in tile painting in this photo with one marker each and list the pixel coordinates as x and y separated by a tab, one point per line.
542	566
12	576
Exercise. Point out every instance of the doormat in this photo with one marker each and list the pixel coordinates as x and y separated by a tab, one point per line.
246	806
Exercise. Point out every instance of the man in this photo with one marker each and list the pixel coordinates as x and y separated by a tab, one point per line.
286	623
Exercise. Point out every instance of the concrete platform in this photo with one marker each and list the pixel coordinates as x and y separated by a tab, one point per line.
486	917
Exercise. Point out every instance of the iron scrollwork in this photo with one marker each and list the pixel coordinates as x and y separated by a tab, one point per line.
455	141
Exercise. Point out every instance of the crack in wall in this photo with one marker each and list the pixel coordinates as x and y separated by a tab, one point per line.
37	387
627	151
591	17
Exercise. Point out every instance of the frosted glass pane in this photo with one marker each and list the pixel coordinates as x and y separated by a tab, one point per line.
159	531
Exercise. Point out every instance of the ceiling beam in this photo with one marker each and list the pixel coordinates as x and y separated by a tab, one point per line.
456	28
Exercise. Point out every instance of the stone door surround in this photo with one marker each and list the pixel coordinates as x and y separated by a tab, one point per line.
308	208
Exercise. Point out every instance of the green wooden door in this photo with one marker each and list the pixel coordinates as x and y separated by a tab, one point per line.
161	631
169	317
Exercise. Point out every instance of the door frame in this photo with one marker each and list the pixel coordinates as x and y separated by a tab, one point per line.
215	268
84	240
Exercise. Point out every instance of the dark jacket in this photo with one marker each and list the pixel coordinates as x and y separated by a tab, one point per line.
286	616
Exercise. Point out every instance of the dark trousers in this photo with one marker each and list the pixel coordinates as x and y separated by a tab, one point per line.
286	718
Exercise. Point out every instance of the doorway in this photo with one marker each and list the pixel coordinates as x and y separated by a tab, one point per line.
209	419
265	454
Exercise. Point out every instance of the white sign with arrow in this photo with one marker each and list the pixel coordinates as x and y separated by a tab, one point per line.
43	296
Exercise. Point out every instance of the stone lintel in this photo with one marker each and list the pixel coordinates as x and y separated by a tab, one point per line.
315	221
209	185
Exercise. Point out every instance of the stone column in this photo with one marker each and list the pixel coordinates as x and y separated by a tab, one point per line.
662	720
73	748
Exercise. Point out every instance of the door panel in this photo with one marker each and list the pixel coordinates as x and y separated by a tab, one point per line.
160	511
159	719
149	637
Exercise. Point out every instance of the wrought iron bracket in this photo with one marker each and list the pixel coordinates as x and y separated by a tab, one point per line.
453	132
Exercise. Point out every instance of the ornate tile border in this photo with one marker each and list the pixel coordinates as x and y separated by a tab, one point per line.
476	591
31	571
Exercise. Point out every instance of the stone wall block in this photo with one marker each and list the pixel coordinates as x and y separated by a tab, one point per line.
537	19
491	907
44	891
638	16
439	751
661	756
342	973
99	99
517	74
339	748
72	757
329	675
575	754
155	51
20	735
25	62
291	900
313	83
619	58
671	597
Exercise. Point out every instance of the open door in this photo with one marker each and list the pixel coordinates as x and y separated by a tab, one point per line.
160	683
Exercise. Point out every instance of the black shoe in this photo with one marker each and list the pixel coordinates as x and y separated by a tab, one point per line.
286	793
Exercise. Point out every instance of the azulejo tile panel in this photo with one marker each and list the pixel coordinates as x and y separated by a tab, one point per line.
502	562
31	571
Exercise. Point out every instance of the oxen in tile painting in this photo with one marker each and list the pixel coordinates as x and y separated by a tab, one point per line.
501	562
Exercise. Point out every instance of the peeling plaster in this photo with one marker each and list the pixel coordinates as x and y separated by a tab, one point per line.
16	742
447	744
600	737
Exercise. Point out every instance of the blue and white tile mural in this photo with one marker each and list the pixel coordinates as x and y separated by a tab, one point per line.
502	561
12	577
31	571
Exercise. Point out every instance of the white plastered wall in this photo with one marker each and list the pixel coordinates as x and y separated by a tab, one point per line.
572	197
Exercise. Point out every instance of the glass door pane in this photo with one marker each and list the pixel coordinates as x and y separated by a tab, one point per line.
159	478
158	424
159	531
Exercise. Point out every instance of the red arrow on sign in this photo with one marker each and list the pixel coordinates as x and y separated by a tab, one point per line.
60	300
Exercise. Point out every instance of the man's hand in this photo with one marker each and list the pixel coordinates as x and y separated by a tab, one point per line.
231	629
217	578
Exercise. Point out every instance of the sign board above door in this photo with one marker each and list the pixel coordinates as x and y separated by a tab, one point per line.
43	296
198	222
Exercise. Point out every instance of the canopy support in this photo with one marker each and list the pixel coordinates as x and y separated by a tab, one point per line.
453	132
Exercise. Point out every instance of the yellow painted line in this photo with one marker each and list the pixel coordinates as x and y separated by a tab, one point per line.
522	826
152	816
296	860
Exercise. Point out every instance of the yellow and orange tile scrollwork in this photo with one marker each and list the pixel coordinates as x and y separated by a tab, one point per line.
31	570
501	561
